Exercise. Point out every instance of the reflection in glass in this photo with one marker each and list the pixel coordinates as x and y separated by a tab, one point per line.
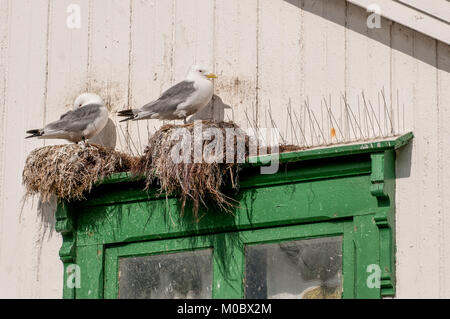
182	275
307	269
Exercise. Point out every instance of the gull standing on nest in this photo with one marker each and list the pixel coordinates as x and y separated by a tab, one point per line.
181	100
86	121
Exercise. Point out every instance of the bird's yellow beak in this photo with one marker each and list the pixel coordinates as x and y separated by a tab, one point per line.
211	76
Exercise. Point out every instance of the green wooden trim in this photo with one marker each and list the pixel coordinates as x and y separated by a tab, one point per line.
118	178
228	254
65	225
111	273
90	261
132	189
366	239
352	186
383	188
302	232
316	153
328	199
228	266
293	232
113	255
349	262
403	140
333	151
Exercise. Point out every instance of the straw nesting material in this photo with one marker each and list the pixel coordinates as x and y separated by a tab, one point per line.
199	182
68	171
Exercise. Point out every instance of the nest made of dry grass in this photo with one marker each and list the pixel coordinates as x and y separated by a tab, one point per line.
68	171
200	183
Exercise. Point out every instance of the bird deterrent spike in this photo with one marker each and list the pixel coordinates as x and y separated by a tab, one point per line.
368	115
311	124
349	110
294	133
386	110
315	119
274	124
330	112
300	127
375	117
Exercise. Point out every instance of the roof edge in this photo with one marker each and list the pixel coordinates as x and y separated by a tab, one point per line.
410	17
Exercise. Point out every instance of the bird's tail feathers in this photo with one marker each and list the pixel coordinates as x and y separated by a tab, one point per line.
129	113
34	133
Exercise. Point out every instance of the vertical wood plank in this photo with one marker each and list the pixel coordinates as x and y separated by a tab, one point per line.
425	150
279	62
194	43
67	60
379	75
4	43
407	202
193	36
109	61
357	72
402	45
443	93
65	73
151	61
109	57
368	69
418	207
24	104
236	58
323	65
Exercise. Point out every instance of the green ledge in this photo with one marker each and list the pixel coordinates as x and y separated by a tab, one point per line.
333	151
309	154
344	190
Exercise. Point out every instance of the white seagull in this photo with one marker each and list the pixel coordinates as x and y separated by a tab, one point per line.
86	121
180	101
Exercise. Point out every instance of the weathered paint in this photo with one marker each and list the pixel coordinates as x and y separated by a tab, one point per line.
308	198
321	48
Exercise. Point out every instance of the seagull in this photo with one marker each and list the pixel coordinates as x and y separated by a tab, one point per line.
180	101
87	120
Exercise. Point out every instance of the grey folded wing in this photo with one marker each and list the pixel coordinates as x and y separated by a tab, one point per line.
76	120
169	100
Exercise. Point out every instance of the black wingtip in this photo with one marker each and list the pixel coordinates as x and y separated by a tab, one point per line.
128	112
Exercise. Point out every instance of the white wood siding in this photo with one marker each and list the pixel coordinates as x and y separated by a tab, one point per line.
270	55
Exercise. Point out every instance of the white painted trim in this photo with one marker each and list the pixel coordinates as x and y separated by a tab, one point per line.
411	17
438	8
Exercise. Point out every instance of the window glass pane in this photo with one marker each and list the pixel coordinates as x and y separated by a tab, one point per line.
178	275
308	269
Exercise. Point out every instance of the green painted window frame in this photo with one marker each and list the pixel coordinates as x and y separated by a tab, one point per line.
347	190
229	265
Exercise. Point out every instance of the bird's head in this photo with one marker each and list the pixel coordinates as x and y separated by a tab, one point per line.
87	98
197	71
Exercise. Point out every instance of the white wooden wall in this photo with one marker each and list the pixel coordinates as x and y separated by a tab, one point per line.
269	55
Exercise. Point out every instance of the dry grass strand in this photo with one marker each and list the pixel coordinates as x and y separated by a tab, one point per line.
68	171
